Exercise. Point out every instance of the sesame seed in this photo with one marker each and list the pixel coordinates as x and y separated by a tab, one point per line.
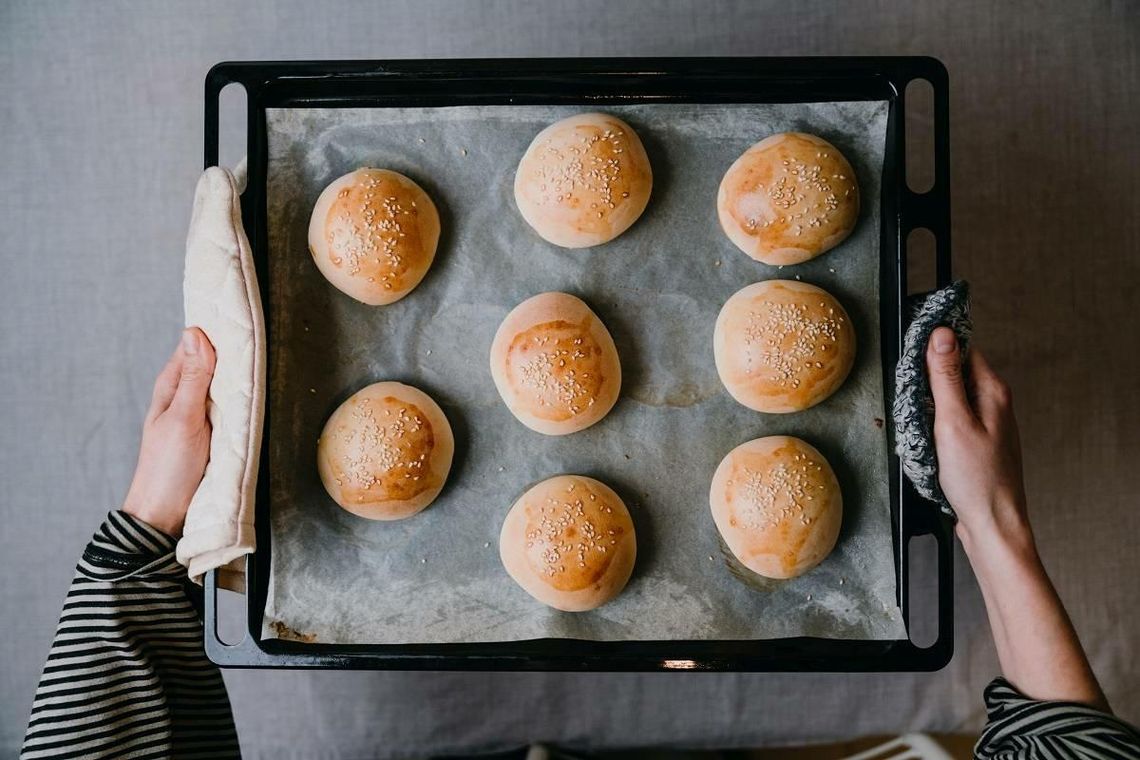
593	169
392	448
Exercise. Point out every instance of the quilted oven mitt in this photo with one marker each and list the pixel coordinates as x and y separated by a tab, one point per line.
221	297
913	409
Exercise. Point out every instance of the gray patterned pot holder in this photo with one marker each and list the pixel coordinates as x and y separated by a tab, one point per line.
913	409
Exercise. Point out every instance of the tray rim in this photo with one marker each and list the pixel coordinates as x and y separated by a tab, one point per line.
450	82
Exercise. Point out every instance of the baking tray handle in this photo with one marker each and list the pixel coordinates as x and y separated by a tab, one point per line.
928	210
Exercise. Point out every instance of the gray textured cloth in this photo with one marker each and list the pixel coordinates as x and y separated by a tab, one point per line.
913	409
102	118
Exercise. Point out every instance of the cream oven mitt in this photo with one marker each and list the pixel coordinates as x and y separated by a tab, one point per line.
221	297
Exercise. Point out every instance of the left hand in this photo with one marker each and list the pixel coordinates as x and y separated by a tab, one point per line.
176	437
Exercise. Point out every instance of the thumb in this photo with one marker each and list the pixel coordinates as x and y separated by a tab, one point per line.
197	372
944	366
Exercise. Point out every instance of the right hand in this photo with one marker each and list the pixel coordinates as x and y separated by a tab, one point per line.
975	436
176	437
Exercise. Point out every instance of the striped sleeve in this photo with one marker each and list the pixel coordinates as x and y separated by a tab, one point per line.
1020	727
127	676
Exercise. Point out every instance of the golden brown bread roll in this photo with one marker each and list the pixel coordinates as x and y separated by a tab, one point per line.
583	181
555	364
777	505
385	452
782	345
373	235
789	198
569	542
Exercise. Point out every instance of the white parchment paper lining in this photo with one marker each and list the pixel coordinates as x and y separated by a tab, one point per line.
436	577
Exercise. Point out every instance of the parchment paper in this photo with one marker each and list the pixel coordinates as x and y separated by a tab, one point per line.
436	577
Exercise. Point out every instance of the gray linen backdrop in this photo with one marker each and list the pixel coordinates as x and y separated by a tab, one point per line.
100	146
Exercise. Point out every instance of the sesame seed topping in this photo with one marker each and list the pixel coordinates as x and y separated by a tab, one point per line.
549	361
781	341
388	453
802	193
595	169
562	529
367	229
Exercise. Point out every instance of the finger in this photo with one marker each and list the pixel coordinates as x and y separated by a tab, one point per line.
196	373
991	394
944	366
165	385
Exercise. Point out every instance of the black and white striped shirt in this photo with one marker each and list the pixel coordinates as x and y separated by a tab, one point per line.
1020	727
127	676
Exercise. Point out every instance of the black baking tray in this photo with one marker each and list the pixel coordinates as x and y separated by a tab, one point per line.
596	82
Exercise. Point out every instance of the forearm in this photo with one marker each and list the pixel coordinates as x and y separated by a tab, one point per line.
1037	646
126	669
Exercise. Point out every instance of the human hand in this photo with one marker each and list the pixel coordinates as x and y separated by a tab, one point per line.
176	437
975	436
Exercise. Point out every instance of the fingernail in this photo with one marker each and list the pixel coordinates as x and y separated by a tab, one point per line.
943	340
189	342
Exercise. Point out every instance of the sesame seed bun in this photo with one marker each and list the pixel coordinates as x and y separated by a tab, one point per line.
783	346
385	452
583	181
555	364
788	199
373	235
569	542
777	505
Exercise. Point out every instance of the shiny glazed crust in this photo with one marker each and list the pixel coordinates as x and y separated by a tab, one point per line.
583	181
569	542
788	199
783	346
385	453
777	505
373	234
555	365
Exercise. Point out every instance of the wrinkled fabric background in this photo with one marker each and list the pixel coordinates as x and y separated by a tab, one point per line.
100	146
